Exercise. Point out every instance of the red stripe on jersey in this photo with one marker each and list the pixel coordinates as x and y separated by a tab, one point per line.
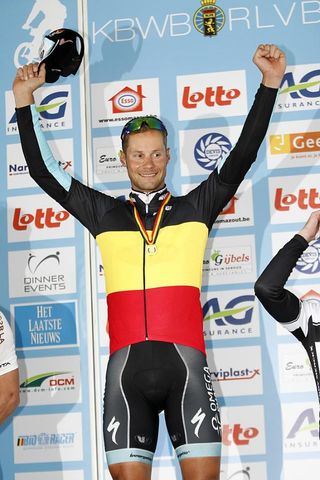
174	314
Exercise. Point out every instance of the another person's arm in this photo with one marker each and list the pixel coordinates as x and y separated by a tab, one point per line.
9	373
282	304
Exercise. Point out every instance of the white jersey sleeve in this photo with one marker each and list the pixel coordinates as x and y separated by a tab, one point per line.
8	358
308	308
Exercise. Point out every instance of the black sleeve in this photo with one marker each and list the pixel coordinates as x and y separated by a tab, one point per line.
245	151
282	304
211	196
84	203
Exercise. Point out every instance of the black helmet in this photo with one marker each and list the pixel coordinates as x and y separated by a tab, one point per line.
62	52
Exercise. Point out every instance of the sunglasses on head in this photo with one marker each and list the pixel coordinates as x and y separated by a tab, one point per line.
135	124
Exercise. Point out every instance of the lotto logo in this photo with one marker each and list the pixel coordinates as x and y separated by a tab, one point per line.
210	97
40	219
238	435
303	198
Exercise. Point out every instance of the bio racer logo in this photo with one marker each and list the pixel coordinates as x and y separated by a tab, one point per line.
211	149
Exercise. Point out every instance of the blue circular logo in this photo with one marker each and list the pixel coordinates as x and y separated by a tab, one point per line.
309	262
211	149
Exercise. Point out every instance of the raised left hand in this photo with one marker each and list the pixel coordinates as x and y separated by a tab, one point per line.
271	61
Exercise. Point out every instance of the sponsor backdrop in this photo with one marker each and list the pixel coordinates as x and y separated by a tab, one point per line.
175	60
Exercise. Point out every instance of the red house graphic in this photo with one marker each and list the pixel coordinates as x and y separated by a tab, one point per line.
127	100
311	294
230	208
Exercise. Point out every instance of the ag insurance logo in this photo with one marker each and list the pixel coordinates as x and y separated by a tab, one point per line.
53	105
300	427
230	314
300	89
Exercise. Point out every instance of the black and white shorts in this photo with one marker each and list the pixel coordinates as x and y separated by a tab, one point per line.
149	377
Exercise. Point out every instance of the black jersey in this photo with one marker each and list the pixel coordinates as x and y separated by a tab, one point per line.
150	296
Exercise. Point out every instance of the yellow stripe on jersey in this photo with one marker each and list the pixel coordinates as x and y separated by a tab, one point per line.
178	260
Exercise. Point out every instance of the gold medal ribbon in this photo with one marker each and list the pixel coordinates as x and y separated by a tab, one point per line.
150	239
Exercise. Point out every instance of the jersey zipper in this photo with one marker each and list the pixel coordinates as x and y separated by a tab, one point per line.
146	202
144	292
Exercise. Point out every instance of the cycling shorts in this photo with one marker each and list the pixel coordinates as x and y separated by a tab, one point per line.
146	378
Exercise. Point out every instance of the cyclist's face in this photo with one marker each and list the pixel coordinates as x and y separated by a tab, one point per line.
146	159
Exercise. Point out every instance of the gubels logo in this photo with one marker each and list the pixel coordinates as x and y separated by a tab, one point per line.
211	149
127	100
309	262
300	89
238	435
229	259
41	218
303	199
238	311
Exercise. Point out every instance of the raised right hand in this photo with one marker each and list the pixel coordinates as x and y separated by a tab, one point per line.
26	81
311	229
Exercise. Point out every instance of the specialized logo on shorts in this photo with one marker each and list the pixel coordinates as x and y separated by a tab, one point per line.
113	427
197	420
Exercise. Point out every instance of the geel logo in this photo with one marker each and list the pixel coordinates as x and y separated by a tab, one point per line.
211	149
209	18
